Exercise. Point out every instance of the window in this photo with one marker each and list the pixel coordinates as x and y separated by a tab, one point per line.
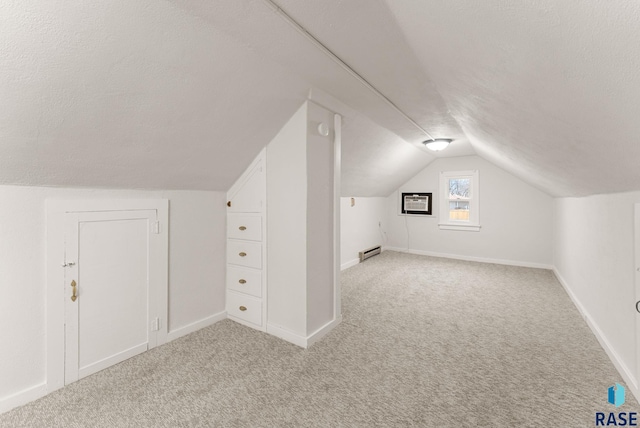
459	201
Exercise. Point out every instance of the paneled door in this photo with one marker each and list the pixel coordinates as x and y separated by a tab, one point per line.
108	300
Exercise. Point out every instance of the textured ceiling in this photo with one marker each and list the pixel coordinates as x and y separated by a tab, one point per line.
131	94
182	94
545	89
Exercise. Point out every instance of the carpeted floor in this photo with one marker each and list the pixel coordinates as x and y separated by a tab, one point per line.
424	341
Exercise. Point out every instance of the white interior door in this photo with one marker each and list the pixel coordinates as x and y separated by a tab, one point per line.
112	317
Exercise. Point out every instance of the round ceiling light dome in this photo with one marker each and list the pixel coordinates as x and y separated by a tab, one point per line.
437	144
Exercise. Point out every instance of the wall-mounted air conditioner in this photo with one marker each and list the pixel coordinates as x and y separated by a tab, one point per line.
416	203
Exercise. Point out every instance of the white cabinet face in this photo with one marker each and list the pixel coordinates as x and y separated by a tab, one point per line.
244	253
249	197
244	307
246	246
244	227
244	280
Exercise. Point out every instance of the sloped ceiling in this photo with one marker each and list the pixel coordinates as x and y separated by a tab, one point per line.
182	94
548	90
131	94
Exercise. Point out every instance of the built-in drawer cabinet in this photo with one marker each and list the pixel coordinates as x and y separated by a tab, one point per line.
244	280
246	246
244	227
244	253
244	307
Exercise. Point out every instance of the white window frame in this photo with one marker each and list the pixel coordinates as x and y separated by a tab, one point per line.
473	224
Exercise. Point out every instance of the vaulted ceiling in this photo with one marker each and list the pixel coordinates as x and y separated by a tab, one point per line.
182	94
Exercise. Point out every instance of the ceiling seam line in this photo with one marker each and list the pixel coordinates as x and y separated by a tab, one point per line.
335	58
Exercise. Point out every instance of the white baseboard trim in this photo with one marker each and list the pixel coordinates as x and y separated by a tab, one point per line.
195	326
246	323
23	397
323	331
349	264
287	335
38	391
622	368
472	258
303	342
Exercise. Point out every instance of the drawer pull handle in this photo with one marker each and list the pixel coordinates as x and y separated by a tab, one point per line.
242	228
242	254
243	308
242	281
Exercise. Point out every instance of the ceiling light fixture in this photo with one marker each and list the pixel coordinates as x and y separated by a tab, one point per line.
437	144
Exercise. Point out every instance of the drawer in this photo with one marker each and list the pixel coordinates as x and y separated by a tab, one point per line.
244	280
244	307
244	253
244	227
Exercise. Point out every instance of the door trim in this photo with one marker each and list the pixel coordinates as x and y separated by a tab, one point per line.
55	308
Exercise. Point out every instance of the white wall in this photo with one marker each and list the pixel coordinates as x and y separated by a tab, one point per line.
287	226
516	218
361	226
197	254
594	259
300	230
196	271
320	214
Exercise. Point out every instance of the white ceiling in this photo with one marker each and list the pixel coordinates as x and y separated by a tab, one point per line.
182	94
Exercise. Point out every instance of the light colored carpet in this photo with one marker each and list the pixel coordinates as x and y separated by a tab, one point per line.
424	342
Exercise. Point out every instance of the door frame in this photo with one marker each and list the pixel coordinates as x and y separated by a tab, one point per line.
56	211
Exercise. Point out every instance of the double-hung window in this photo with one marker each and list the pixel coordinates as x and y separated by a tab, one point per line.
459	200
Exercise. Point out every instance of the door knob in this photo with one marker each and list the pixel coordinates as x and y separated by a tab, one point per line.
242	281
74	291
638	306
242	254
242	228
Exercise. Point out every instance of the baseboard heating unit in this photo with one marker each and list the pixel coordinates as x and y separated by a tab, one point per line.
369	252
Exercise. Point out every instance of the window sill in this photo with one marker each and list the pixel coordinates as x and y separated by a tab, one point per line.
466	227
417	215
